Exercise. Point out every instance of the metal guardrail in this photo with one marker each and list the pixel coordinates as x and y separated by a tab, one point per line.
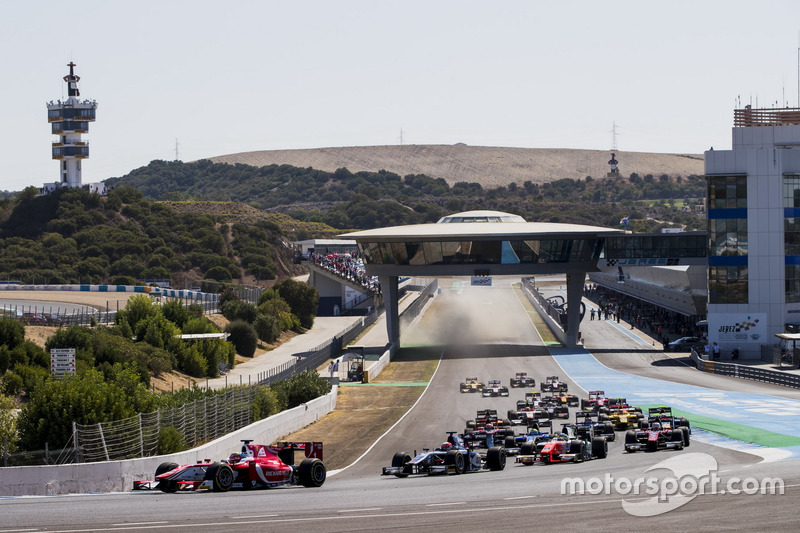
746	372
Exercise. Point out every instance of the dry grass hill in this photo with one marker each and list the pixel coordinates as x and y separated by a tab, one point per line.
487	165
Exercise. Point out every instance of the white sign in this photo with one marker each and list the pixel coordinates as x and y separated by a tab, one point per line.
62	362
737	327
483	281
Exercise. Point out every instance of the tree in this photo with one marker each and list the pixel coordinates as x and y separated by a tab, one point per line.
243	336
12	333
8	422
302	298
85	399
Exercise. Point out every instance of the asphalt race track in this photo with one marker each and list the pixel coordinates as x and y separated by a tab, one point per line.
488	334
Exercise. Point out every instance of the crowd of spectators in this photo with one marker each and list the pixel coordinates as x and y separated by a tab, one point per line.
348	266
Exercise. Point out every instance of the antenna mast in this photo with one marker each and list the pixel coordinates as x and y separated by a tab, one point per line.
614	136
177	157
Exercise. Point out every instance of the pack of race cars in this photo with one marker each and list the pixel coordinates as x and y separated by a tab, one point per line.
528	433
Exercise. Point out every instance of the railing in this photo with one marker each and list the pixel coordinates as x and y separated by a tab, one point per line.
765	117
746	372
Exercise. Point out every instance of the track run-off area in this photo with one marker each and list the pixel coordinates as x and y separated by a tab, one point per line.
743	431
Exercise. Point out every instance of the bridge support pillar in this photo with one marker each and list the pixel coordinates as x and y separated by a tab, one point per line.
575	283
390	291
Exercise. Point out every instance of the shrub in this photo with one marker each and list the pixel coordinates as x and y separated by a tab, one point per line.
301	388
170	440
243	336
12	332
266	403
268	327
239	310
192	362
11	384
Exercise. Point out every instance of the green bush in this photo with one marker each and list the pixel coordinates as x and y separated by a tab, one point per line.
32	377
266	403
12	333
170	440
11	384
239	310
192	362
243	337
268	327
301	388
5	358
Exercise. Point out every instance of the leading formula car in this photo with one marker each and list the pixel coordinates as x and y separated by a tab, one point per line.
471	384
452	457
256	466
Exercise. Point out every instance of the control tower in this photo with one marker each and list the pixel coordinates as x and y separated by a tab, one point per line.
69	120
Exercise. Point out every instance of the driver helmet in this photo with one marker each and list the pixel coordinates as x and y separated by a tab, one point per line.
235	458
655	426
446	446
489	427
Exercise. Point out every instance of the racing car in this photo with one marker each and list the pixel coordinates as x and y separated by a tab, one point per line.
532	399
494	388
471	385
597	401
660	431
656	437
486	417
529	442
622	416
255	466
452	457
521	379
570	446
586	418
553	384
562	398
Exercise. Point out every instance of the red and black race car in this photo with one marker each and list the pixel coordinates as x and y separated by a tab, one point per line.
661	431
256	466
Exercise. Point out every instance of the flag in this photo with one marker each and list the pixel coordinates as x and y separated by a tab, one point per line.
624	221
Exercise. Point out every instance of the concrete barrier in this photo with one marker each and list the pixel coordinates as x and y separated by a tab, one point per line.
118	476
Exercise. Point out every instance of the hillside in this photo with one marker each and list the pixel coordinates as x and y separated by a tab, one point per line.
489	166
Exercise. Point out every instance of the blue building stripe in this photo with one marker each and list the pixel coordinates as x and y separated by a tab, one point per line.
739	212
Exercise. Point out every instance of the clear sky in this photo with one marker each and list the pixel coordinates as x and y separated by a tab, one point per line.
235	76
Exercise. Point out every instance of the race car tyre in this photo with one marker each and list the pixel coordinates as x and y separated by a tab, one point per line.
455	459
510	441
578	447
512	414
312	472
603	410
496	458
686	437
400	459
222	476
602	417
527	449
166	485
599	447
683	422
584	404
630	437
470	424
637	409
